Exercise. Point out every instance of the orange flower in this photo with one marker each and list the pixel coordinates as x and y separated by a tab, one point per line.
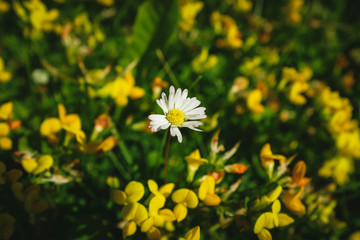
237	168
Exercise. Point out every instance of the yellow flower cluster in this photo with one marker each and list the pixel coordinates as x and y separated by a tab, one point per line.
189	10
204	61
293	10
225	26
120	89
6	125
345	131
290	196
71	123
155	220
41	19
298	84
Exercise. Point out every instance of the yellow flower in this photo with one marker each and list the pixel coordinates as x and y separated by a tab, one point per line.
49	128
157	217
268	158
269	198
194	161
133	192
253	102
184	198
108	144
204	62
164	190
121	89
189	10
243	5
5	142
112	182
192	234
7	225
71	123
269	220
298	174
135	213
40	17
338	167
6	111
32	166
295	93
5	76
293	203
207	192
355	236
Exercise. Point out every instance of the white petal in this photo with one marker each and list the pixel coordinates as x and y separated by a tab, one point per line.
199	110
177	98
171	98
172	132
159	126
192	125
163	106
195	117
157	117
193	104
177	133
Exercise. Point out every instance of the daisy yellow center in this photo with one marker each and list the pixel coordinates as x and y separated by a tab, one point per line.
175	117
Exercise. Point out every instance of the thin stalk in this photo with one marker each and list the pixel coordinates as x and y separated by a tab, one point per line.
166	156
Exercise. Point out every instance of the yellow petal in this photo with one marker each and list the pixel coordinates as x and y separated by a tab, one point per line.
266	220
128	212
153	187
136	92
158	220
276	207
273	195
167	189
147	224
129	229
119	196
298	172
44	163
6	111
5	143
134	191
29	164
212	200
167	214
62	112
180	212
186	196
50	126
193	234
284	220
140	215
4	129
264	234
153	234
155	204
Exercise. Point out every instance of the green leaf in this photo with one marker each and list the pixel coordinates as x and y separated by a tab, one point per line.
155	22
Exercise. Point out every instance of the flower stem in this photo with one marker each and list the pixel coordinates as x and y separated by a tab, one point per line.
166	156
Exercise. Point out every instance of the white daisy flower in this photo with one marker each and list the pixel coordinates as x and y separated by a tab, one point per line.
179	111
